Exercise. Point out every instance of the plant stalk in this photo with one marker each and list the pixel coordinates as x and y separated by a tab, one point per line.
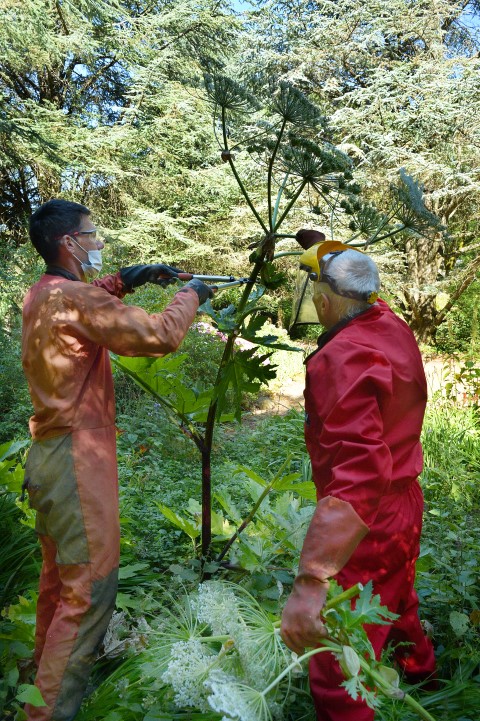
271	215
291	204
252	513
237	177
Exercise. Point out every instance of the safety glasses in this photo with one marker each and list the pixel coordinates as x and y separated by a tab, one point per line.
91	233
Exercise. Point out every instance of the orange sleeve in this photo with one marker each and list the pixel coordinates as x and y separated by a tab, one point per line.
113	284
128	330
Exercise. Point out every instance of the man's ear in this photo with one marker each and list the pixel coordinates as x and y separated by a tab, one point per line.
325	301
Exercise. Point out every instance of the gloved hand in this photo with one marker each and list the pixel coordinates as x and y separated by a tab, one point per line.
203	290
302	626
158	273
335	531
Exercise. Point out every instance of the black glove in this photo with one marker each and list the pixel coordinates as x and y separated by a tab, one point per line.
158	273
201	289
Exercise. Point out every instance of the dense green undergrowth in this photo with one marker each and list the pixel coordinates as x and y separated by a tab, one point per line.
261	464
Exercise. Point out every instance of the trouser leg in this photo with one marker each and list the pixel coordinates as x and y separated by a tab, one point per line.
416	659
48	595
387	557
332	702
72	642
78	509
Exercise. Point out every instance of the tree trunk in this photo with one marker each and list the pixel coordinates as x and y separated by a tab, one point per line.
423	263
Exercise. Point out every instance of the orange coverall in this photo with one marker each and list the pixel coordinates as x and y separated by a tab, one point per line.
71	471
365	400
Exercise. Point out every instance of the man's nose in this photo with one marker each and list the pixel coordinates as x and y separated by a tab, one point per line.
100	244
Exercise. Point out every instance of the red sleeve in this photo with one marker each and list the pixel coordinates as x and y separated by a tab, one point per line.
345	393
113	284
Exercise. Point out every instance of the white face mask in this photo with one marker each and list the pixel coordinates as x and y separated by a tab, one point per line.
94	265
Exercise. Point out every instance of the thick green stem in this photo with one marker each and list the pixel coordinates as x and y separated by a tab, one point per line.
387	690
387	235
210	424
382	685
337	600
291	204
285	672
287	252
237	177
271	214
252	513
345	596
244	523
277	203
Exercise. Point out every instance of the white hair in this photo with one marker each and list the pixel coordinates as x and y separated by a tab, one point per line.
352	271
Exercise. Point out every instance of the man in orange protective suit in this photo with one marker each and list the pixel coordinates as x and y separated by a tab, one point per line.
365	399
69	326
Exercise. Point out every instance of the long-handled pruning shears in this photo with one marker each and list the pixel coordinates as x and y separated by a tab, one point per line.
226	281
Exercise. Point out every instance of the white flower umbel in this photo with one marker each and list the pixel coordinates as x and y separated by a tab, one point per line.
236	700
217	606
190	664
238	614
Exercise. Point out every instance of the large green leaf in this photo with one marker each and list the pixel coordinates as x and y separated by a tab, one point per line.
244	372
251	333
164	379
182	523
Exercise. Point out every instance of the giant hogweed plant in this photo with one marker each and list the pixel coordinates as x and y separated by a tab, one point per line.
287	137
217	654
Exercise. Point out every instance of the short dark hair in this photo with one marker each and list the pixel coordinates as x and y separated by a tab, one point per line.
50	222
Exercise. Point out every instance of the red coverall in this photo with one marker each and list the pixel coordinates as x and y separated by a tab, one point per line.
71	472
365	399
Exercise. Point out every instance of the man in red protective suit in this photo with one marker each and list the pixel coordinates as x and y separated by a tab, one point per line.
69	326
365	399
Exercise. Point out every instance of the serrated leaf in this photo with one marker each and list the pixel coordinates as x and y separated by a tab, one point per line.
368	609
164	379
271	277
131	570
178	521
188	574
220	526
244	372
124	601
225	319
351	686
226	501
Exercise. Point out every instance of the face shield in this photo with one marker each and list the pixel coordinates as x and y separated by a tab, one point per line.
303	310
314	266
